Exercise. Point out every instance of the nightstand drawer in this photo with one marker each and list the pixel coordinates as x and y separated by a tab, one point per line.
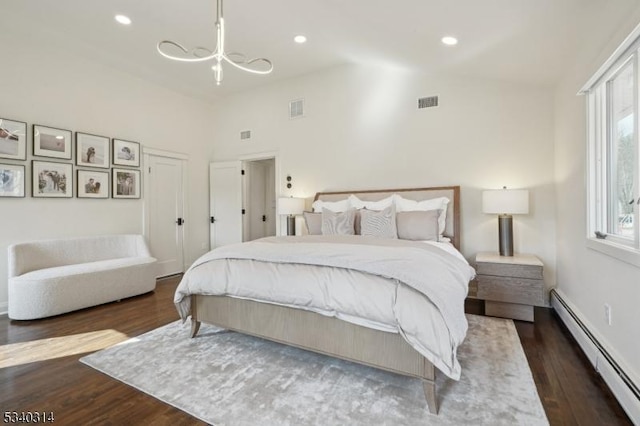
533	272
512	290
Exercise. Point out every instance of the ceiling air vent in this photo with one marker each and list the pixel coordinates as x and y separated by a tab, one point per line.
429	102
296	108
246	134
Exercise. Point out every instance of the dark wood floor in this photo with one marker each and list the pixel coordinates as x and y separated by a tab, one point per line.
571	392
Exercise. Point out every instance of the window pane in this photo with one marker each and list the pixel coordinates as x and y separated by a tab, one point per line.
621	153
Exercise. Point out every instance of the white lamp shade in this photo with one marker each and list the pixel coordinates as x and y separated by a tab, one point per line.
505	201
290	205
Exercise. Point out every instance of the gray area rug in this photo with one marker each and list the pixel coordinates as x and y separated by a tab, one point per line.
226	378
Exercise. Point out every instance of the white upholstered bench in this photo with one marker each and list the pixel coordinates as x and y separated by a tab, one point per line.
53	277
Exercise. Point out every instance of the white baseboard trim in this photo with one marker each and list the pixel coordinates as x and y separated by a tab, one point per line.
622	386
4	308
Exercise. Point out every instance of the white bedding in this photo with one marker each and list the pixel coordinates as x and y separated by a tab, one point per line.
411	288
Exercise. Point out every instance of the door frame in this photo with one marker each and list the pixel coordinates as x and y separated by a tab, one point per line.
146	153
268	155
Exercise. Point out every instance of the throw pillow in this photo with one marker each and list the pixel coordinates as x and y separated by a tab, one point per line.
334	223
314	222
380	224
418	225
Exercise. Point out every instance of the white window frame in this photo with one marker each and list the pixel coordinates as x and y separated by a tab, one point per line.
622	248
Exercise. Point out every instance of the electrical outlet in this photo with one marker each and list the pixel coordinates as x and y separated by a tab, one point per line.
607	313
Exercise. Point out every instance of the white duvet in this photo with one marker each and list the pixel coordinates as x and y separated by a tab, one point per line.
412	288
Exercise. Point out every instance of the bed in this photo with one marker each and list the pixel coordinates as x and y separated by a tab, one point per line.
402	331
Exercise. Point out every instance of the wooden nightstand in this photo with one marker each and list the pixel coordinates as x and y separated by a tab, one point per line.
510	285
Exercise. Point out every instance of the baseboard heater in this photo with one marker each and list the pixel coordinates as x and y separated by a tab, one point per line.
632	388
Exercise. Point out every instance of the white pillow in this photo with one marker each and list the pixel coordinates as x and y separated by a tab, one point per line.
334	206
371	205
405	205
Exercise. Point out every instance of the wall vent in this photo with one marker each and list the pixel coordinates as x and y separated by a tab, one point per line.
296	108
245	134
428	102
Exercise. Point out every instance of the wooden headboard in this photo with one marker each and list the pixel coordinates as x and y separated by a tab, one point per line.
452	228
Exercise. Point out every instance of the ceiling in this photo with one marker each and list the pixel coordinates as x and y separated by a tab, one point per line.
524	41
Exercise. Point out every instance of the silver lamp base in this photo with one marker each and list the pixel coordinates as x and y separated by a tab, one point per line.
291	225
505	234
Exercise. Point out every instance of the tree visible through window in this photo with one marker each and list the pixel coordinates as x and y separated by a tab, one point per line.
624	169
620	149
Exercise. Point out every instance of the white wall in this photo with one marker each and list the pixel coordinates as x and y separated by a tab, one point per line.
588	278
363	130
43	83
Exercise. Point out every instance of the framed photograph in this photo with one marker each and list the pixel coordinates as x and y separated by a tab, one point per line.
13	139
51	142
12	180
52	180
125	183
93	184
126	153
92	150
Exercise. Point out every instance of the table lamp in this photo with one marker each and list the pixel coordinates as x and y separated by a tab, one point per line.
505	202
291	207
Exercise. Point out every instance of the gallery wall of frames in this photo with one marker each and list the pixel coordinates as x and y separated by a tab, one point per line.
105	167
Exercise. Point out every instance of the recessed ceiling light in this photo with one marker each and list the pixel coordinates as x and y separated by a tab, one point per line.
450	41
124	20
59	137
300	39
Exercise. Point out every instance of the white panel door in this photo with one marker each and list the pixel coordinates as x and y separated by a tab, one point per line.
225	197
166	220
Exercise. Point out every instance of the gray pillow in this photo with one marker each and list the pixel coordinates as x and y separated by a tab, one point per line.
338	223
418	225
314	222
380	224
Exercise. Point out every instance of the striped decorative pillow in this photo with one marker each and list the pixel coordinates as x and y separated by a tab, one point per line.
380	224
338	223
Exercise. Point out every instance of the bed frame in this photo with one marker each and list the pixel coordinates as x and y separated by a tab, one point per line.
328	335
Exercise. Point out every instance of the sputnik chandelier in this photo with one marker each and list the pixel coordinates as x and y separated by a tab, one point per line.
202	54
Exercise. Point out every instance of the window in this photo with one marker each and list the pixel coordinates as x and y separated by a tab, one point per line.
613	155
